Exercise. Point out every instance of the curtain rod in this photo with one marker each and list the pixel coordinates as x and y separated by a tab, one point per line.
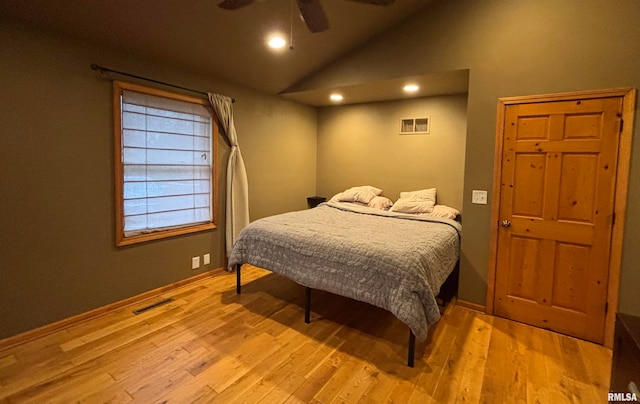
103	69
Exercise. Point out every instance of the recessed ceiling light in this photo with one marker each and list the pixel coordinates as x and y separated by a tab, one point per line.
411	88
336	97
276	42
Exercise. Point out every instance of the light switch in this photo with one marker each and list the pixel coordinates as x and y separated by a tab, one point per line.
479	197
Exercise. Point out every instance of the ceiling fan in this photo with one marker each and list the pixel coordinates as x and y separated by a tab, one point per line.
311	10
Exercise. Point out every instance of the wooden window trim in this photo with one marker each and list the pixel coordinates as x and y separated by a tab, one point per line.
121	240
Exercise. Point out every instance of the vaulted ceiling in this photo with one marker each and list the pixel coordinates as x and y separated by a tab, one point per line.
231	45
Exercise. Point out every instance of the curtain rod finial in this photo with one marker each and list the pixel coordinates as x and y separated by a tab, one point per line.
95	66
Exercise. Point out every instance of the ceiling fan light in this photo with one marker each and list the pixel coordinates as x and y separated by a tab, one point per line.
276	42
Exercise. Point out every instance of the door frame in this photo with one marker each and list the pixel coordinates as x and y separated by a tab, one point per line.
620	196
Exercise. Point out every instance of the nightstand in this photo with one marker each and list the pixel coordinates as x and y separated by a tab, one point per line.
314	201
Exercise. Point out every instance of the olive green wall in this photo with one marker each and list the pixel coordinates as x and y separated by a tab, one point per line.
57	251
57	244
511	48
361	144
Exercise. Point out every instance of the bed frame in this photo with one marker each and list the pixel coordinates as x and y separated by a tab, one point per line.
447	291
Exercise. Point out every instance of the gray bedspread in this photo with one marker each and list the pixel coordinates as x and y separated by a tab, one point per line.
393	261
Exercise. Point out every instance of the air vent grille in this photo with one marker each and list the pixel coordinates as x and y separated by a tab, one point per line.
418	126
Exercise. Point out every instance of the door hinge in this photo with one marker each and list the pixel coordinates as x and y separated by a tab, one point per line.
606	307
613	218
621	124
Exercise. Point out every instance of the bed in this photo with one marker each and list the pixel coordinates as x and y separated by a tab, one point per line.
392	260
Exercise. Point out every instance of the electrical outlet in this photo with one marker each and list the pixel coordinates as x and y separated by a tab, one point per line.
195	262
206	259
479	197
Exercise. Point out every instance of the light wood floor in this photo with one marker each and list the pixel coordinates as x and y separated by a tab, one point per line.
211	345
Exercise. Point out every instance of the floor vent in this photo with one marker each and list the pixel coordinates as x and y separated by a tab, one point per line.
153	306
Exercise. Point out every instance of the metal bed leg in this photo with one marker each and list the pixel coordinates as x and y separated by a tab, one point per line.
412	348
307	305
238	284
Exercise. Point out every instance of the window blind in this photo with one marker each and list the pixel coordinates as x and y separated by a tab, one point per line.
167	163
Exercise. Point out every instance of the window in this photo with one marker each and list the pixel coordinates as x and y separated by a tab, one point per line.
165	145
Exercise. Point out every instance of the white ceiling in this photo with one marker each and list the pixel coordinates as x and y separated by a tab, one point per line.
199	36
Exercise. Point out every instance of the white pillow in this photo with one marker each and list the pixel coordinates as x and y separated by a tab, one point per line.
406	205
423	194
380	202
337	197
363	194
375	190
444	211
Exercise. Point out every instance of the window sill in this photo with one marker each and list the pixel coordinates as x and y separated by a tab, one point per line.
142	238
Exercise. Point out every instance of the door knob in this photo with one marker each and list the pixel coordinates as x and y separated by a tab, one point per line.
506	223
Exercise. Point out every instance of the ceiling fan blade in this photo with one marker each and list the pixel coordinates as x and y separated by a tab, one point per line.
376	2
313	15
234	4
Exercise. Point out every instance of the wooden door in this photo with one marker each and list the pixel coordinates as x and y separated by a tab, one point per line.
556	212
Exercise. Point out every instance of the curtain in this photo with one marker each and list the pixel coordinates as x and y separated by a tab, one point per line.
237	202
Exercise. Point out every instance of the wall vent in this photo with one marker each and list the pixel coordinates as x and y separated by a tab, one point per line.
152	306
417	126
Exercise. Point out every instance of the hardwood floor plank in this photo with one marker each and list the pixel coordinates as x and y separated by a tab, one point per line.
191	393
164	380
24	377
275	386
496	373
57	391
379	389
336	383
560	387
8	360
537	377
519	340
212	345
240	361
475	351
257	349
436	358
148	362
418	396
145	375
312	384
322	352
151	390
224	373
400	392
123	337
456	362
363	377
570	350
50	369
246	381
107	330
106	395
220	336
594	356
30	355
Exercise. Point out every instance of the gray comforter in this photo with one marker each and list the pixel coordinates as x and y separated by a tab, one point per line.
394	261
